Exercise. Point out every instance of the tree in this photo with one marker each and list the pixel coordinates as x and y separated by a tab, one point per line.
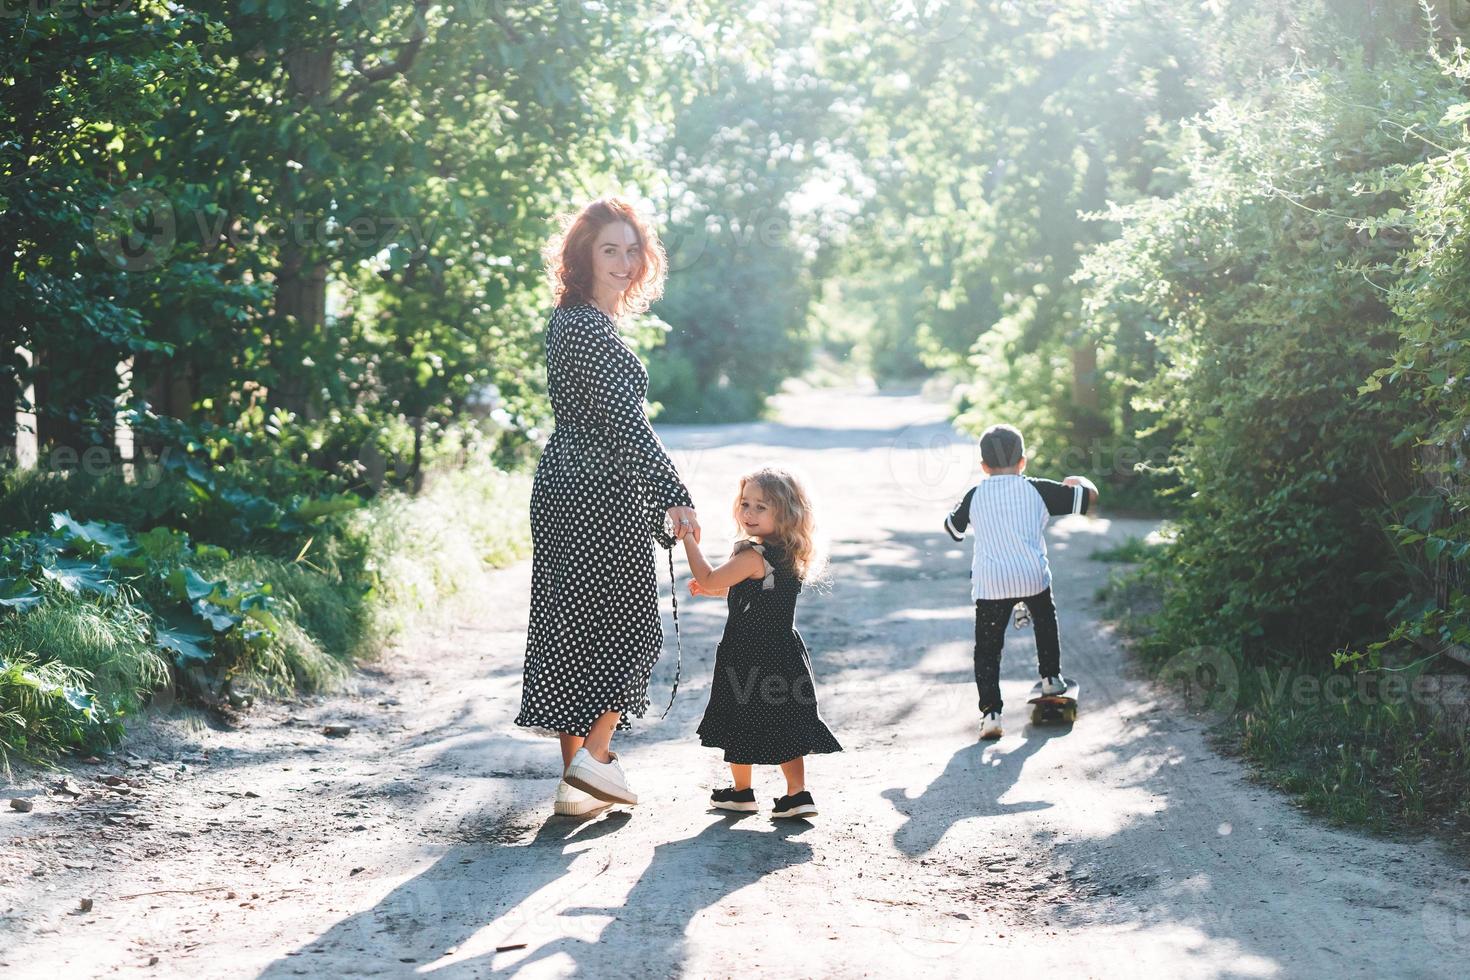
84	251
739	291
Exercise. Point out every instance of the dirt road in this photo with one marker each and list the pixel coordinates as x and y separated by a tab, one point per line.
421	842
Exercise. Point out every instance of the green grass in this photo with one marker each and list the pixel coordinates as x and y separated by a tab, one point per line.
28	498
322	619
1356	757
92	648
37	719
426	555
105	638
1347	747
1134	549
74	666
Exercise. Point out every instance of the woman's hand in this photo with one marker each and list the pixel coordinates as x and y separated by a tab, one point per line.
684	522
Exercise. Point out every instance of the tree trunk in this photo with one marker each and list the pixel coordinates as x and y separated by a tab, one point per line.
301	309
1084	377
301	278
27	449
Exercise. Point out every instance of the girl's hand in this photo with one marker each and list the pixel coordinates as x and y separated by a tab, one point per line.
696	589
684	521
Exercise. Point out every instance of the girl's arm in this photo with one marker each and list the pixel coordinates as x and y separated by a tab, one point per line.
744	564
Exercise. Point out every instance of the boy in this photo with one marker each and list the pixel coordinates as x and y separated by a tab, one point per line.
1010	566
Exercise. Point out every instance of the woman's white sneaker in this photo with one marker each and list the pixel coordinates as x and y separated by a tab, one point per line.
604	780
572	802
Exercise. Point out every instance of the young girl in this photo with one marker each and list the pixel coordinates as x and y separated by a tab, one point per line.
762	704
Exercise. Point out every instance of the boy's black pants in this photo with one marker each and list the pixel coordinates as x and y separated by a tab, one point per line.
992	616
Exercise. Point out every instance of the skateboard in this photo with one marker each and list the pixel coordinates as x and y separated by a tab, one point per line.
1047	708
1022	616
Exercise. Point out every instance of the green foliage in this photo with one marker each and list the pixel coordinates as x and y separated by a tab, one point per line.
1354	755
323	211
1134	549
182	610
1430	295
425	555
45	709
77	272
96	617
1267	329
983	179
1302	293
739	293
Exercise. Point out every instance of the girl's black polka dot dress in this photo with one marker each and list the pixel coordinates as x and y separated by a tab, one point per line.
762	702
602	484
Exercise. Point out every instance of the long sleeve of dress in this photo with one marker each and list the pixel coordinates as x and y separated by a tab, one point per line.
614	381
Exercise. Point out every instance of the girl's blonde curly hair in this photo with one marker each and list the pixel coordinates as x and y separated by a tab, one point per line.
796	526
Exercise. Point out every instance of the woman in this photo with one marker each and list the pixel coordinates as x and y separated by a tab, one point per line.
603	479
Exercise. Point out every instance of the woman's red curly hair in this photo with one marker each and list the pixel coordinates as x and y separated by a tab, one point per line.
569	256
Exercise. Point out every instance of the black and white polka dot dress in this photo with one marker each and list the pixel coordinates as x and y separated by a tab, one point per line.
603	481
763	702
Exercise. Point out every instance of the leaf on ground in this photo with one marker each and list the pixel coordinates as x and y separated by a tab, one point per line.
188	585
100	537
185	643
216	615
80	576
18	593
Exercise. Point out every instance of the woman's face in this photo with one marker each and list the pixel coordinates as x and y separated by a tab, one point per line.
756	515
614	258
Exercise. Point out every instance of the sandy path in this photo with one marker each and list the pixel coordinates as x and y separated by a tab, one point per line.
1122	847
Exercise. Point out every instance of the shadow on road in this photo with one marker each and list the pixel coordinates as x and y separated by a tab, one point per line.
422	918
684	878
971	785
542	901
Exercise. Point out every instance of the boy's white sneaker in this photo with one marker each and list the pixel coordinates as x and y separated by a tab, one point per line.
572	802
990	726
1053	685
604	780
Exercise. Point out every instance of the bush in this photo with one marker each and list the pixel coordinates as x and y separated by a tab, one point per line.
1255	269
97	615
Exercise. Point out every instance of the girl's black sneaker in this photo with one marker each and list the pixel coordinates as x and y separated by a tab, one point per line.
730	798
795	805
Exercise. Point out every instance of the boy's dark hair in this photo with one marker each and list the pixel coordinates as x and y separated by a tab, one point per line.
1001	446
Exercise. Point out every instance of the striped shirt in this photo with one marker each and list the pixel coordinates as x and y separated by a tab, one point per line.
1009	511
